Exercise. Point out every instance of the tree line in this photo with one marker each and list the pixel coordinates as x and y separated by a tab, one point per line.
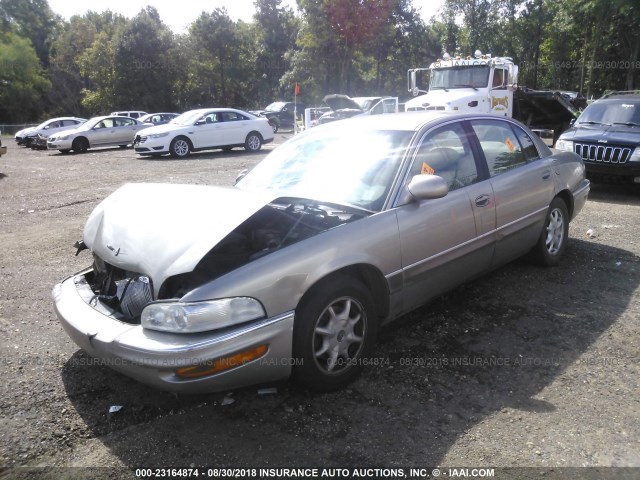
99	62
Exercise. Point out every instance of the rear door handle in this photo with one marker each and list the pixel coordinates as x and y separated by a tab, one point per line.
482	200
546	175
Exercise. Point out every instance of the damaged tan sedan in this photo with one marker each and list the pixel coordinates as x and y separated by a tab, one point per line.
292	271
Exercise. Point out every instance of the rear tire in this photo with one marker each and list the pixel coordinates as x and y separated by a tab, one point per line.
553	239
334	331
253	143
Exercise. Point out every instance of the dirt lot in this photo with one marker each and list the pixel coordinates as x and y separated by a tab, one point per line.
524	367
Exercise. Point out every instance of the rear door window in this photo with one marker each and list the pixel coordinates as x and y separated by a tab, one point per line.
500	145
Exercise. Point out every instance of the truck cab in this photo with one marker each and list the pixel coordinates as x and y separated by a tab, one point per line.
479	84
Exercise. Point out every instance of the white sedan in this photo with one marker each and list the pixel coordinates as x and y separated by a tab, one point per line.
205	129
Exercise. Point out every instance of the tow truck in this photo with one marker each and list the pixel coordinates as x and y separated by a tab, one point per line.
486	84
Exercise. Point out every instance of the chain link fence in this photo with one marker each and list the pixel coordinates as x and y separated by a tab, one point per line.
11	129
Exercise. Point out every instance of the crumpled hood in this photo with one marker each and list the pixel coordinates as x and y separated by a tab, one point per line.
162	230
340	102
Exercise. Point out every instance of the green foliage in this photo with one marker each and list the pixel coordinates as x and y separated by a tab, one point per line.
32	19
143	60
99	62
22	84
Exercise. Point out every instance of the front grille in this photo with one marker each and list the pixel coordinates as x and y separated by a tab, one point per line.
139	139
602	153
134	294
125	292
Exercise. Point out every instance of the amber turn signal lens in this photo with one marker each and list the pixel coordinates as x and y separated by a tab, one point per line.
222	364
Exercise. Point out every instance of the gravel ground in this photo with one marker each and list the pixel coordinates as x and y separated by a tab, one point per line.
525	367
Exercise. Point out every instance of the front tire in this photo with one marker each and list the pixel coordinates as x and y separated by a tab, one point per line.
80	145
334	331
180	147
553	239
253	143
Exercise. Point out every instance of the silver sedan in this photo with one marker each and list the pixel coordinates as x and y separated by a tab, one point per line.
291	272
107	131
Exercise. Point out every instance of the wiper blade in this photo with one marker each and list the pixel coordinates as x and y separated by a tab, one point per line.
593	123
628	124
467	86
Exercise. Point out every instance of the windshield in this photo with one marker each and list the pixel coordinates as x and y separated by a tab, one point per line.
188	118
89	124
357	168
275	107
608	113
366	103
476	76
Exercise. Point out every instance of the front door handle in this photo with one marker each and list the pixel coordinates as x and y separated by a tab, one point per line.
482	200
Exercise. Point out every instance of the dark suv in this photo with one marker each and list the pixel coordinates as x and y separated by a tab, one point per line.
607	137
281	114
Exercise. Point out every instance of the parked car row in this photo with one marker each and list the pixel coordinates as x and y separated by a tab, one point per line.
153	134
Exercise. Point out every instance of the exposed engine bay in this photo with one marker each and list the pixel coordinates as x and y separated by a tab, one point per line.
281	223
277	225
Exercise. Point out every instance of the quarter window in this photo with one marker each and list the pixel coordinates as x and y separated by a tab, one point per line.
446	152
500	145
528	147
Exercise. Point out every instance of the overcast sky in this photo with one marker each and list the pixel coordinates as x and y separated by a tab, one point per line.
178	14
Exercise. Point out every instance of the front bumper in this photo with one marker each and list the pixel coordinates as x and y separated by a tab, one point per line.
154	146
628	172
153	357
580	195
60	144
3	150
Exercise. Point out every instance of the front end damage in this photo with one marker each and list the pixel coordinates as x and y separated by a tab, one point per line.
103	307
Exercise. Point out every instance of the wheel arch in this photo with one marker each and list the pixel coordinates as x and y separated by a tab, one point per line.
565	195
257	133
183	137
81	138
370	276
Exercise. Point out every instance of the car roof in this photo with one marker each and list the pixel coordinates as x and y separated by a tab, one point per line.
215	109
618	98
64	118
403	121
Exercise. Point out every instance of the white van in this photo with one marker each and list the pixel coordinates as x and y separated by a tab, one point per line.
132	114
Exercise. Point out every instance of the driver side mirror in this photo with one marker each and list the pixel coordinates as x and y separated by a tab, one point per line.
425	187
